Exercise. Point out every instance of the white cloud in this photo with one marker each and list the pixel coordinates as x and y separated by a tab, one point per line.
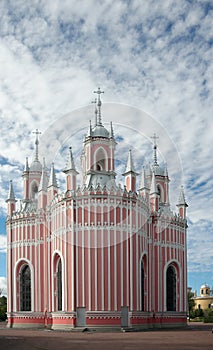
3	285
3	244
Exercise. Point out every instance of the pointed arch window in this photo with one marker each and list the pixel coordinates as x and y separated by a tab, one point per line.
34	189
100	160
25	289
171	288
59	286
160	193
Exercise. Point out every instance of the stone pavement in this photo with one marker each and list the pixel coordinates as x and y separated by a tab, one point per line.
196	336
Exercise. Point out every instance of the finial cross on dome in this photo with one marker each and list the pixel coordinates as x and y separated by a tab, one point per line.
99	92
36	143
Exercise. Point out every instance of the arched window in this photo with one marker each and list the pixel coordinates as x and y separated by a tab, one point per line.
34	190
59	285
142	286
100	160
25	289
160	193
171	289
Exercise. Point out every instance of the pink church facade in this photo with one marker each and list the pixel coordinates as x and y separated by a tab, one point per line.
99	254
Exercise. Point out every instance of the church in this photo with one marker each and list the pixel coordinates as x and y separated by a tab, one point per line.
99	254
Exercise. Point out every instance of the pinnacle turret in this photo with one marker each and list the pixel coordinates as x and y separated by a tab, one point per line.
26	168
130	164
111	134
11	195
153	188
143	182
70	165
44	179
52	178
181	199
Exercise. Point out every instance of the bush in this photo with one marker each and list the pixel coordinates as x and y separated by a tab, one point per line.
3	308
208	319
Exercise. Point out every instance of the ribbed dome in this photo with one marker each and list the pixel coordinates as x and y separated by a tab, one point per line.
36	166
101	131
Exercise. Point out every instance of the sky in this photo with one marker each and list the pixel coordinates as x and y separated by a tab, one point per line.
153	59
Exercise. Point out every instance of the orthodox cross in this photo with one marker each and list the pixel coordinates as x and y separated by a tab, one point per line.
99	92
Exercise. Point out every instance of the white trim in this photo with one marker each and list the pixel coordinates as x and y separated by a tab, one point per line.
25	261
53	272
105	159
173	262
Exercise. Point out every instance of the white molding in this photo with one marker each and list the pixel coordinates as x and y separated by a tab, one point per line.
28	262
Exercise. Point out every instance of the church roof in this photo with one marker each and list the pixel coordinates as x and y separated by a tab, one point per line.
100	131
36	166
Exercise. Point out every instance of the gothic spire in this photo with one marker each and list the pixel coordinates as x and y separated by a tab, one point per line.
130	165
143	183
181	199
111	134
44	179
52	178
11	195
90	129
36	144
70	165
153	188
154	137
99	92
26	168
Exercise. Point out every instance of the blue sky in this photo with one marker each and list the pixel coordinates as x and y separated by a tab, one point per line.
155	56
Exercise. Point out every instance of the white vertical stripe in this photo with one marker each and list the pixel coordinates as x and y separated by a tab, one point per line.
77	267
39	266
102	263
108	235
64	237
115	259
131	257
72	253
136	255
89	256
96	252
83	244
127	259
121	250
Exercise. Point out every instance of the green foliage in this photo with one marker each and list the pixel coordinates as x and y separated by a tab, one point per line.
191	304
198	313
3	308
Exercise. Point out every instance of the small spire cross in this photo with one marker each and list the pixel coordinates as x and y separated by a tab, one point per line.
36	143
99	92
155	137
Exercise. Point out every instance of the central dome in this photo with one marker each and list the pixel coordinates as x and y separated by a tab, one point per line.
101	131
36	166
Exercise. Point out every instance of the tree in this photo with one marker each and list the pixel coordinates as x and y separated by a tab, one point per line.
191	303
3	308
